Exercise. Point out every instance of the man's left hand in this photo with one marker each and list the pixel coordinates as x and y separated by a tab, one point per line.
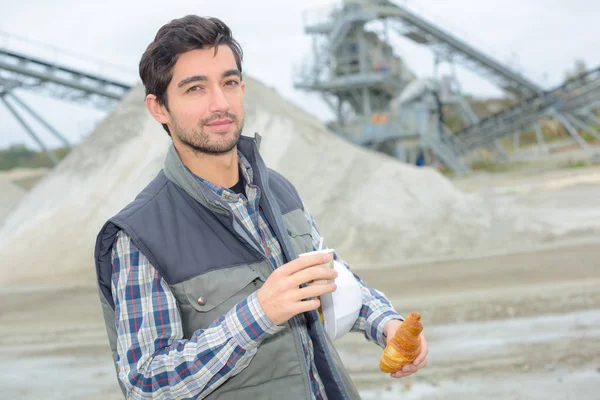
421	361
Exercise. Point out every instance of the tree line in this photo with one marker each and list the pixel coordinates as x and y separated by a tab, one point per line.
20	156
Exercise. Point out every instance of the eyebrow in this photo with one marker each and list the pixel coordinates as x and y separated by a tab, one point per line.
203	78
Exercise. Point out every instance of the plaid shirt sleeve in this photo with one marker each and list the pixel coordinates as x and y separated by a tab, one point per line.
376	309
154	361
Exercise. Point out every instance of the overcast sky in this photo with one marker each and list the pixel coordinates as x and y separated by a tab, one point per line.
540	38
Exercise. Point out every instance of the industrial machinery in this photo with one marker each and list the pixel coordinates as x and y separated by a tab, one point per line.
379	103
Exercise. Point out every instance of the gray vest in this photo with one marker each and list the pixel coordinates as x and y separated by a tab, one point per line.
201	250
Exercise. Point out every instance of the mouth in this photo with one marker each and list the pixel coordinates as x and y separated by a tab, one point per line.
220	123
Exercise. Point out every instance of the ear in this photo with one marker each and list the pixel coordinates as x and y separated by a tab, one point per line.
158	111
243	86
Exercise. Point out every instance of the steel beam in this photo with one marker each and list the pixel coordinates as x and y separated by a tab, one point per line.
584	127
30	131
40	120
433	34
572	131
516	140
36	73
501	150
540	138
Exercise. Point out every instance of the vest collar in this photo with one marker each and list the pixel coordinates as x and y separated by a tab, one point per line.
179	174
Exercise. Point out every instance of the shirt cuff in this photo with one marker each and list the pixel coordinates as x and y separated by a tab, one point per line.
376	322
248	323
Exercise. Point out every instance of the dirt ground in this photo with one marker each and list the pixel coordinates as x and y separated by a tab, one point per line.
523	326
518	326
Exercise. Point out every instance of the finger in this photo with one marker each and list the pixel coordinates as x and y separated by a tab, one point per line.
420	358
304	306
315	273
409	369
423	364
400	374
314	291
301	263
424	351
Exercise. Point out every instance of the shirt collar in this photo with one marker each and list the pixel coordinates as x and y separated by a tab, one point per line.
224	192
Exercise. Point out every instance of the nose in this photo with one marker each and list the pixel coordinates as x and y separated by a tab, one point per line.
218	101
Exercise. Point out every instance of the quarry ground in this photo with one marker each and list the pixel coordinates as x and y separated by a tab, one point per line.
518	326
523	326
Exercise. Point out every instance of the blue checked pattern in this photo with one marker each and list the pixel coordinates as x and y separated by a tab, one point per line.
155	360
249	213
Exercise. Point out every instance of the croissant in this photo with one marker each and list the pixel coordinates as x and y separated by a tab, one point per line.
404	346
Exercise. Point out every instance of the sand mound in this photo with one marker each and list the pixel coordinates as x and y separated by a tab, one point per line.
371	208
10	195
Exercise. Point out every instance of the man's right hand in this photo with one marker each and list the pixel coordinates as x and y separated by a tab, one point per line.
281	296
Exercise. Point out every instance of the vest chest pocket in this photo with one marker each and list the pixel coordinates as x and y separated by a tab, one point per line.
300	231
206	297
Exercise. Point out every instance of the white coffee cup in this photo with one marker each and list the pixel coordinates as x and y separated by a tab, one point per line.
328	264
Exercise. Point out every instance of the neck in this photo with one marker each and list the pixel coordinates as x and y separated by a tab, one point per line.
220	169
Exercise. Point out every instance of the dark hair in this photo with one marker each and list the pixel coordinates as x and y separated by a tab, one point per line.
179	36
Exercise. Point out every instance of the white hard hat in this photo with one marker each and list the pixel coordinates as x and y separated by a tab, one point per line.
341	308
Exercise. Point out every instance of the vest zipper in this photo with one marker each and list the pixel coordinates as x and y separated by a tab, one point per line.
292	322
329	357
285	249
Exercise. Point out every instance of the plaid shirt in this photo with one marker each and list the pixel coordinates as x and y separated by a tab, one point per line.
155	360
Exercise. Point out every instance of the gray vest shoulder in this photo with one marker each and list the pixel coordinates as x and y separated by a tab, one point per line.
180	237
284	191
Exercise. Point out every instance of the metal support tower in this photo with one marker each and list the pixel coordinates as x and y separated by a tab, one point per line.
355	70
19	71
343	71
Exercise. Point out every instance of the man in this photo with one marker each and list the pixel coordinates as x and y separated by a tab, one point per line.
202	290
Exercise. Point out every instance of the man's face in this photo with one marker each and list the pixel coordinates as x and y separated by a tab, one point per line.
206	100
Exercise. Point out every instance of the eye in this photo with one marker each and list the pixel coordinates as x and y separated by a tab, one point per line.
194	88
232	82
